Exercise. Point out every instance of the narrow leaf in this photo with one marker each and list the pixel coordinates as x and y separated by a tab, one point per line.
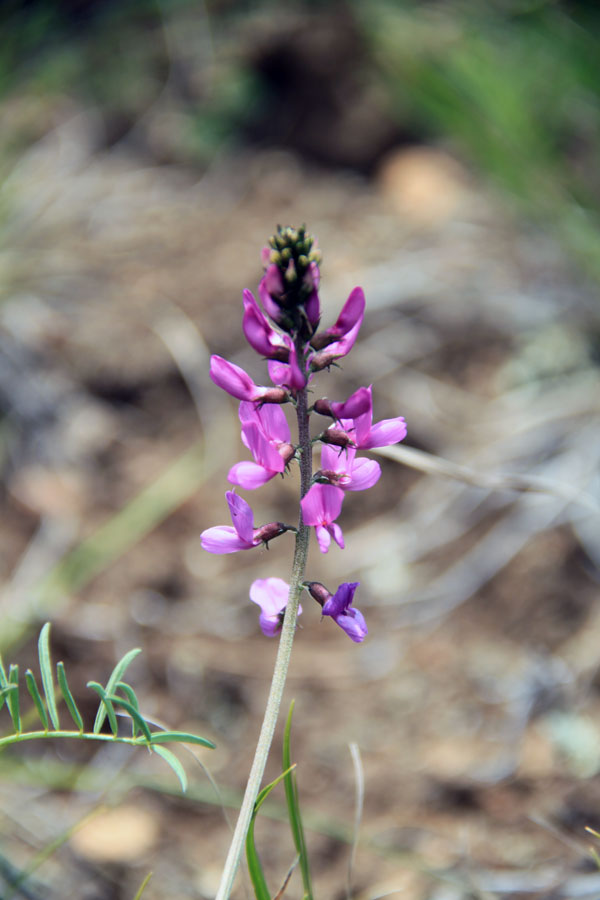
116	676
35	695
143	886
12	698
293	806
68	696
138	719
261	891
46	671
107	706
3	683
131	697
170	758
181	737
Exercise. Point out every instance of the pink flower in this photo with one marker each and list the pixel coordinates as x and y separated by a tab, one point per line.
357	403
365	435
270	289
271	594
347	325
266	433
321	505
345	471
261	336
237	382
243	535
288	374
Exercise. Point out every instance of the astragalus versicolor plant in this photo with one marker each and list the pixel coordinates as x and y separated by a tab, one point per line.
286	332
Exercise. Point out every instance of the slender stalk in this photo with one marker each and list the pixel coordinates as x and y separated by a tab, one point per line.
282	661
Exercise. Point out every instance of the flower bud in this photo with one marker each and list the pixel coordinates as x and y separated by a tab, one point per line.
272	530
318	591
338	437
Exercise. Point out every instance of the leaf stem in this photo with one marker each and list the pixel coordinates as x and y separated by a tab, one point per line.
284	653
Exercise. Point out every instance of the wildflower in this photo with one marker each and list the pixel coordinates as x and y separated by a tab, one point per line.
271	594
237	382
338	607
266	433
357	403
288	374
321	505
261	336
243	535
348	323
365	435
341	468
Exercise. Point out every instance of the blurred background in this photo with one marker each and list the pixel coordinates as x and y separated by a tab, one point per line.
445	155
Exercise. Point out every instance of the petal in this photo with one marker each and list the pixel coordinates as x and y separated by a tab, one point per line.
341	600
271	594
337	534
365	473
384	433
249	475
352	313
313	309
274	424
264	452
323	538
223	539
321	504
353	623
241	516
357	404
333	497
336	460
233	379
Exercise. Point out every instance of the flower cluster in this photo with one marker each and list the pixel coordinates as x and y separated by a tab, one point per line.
284	329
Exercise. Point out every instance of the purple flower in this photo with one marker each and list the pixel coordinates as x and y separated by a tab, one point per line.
350	620
321	505
365	435
237	382
271	594
338	607
261	336
357	403
270	289
343	469
243	535
266	433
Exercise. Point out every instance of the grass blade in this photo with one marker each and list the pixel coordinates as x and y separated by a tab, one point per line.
181	737
293	806
143	886
46	672
35	695
68	696
3	683
116	676
106	706
12	698
261	891
172	761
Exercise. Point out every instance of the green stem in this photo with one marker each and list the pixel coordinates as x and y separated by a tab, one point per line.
77	735
282	661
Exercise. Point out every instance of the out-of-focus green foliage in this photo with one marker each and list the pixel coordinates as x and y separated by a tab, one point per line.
514	88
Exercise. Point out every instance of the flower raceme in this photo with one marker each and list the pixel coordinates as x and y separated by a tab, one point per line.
283	329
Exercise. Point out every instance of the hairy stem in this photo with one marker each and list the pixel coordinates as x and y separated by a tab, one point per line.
282	662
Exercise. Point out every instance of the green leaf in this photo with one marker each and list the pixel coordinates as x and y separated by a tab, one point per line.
68	696
172	761
12	698
107	706
138	719
181	737
293	806
3	683
131	697
111	684
35	694
46	671
261	891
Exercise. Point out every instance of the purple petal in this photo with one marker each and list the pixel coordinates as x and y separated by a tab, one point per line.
257	330
223	539
233	379
341	600
241	516
323	538
313	309
353	623
271	594
365	473
249	475
384	433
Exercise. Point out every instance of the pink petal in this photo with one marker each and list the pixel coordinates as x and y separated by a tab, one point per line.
271	594
223	539
274	425
249	475
233	379
321	504
384	433
241	516
264	452
323	538
365	473
257	330
356	405
337	535
352	313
